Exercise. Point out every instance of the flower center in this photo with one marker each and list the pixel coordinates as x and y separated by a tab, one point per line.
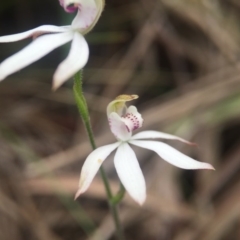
132	120
72	7
123	120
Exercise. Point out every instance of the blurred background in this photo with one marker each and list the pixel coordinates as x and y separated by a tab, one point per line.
182	58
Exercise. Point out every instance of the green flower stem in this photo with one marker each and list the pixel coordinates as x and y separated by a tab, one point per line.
83	110
119	196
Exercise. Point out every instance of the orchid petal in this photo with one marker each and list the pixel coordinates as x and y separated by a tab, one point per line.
86	15
172	155
92	164
76	60
34	51
130	173
33	32
118	127
156	134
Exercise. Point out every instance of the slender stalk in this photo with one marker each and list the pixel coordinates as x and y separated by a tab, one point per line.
119	196
83	109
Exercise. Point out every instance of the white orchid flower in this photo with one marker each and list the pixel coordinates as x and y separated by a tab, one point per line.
54	36
123	121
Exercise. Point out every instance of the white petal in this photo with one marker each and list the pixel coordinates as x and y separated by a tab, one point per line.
34	32
76	60
92	164
130	173
172	155
86	15
156	134
34	51
118	127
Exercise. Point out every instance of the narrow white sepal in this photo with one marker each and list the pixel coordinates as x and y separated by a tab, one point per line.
156	134
34	51
130	173
172	155
92	164
33	32
76	60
